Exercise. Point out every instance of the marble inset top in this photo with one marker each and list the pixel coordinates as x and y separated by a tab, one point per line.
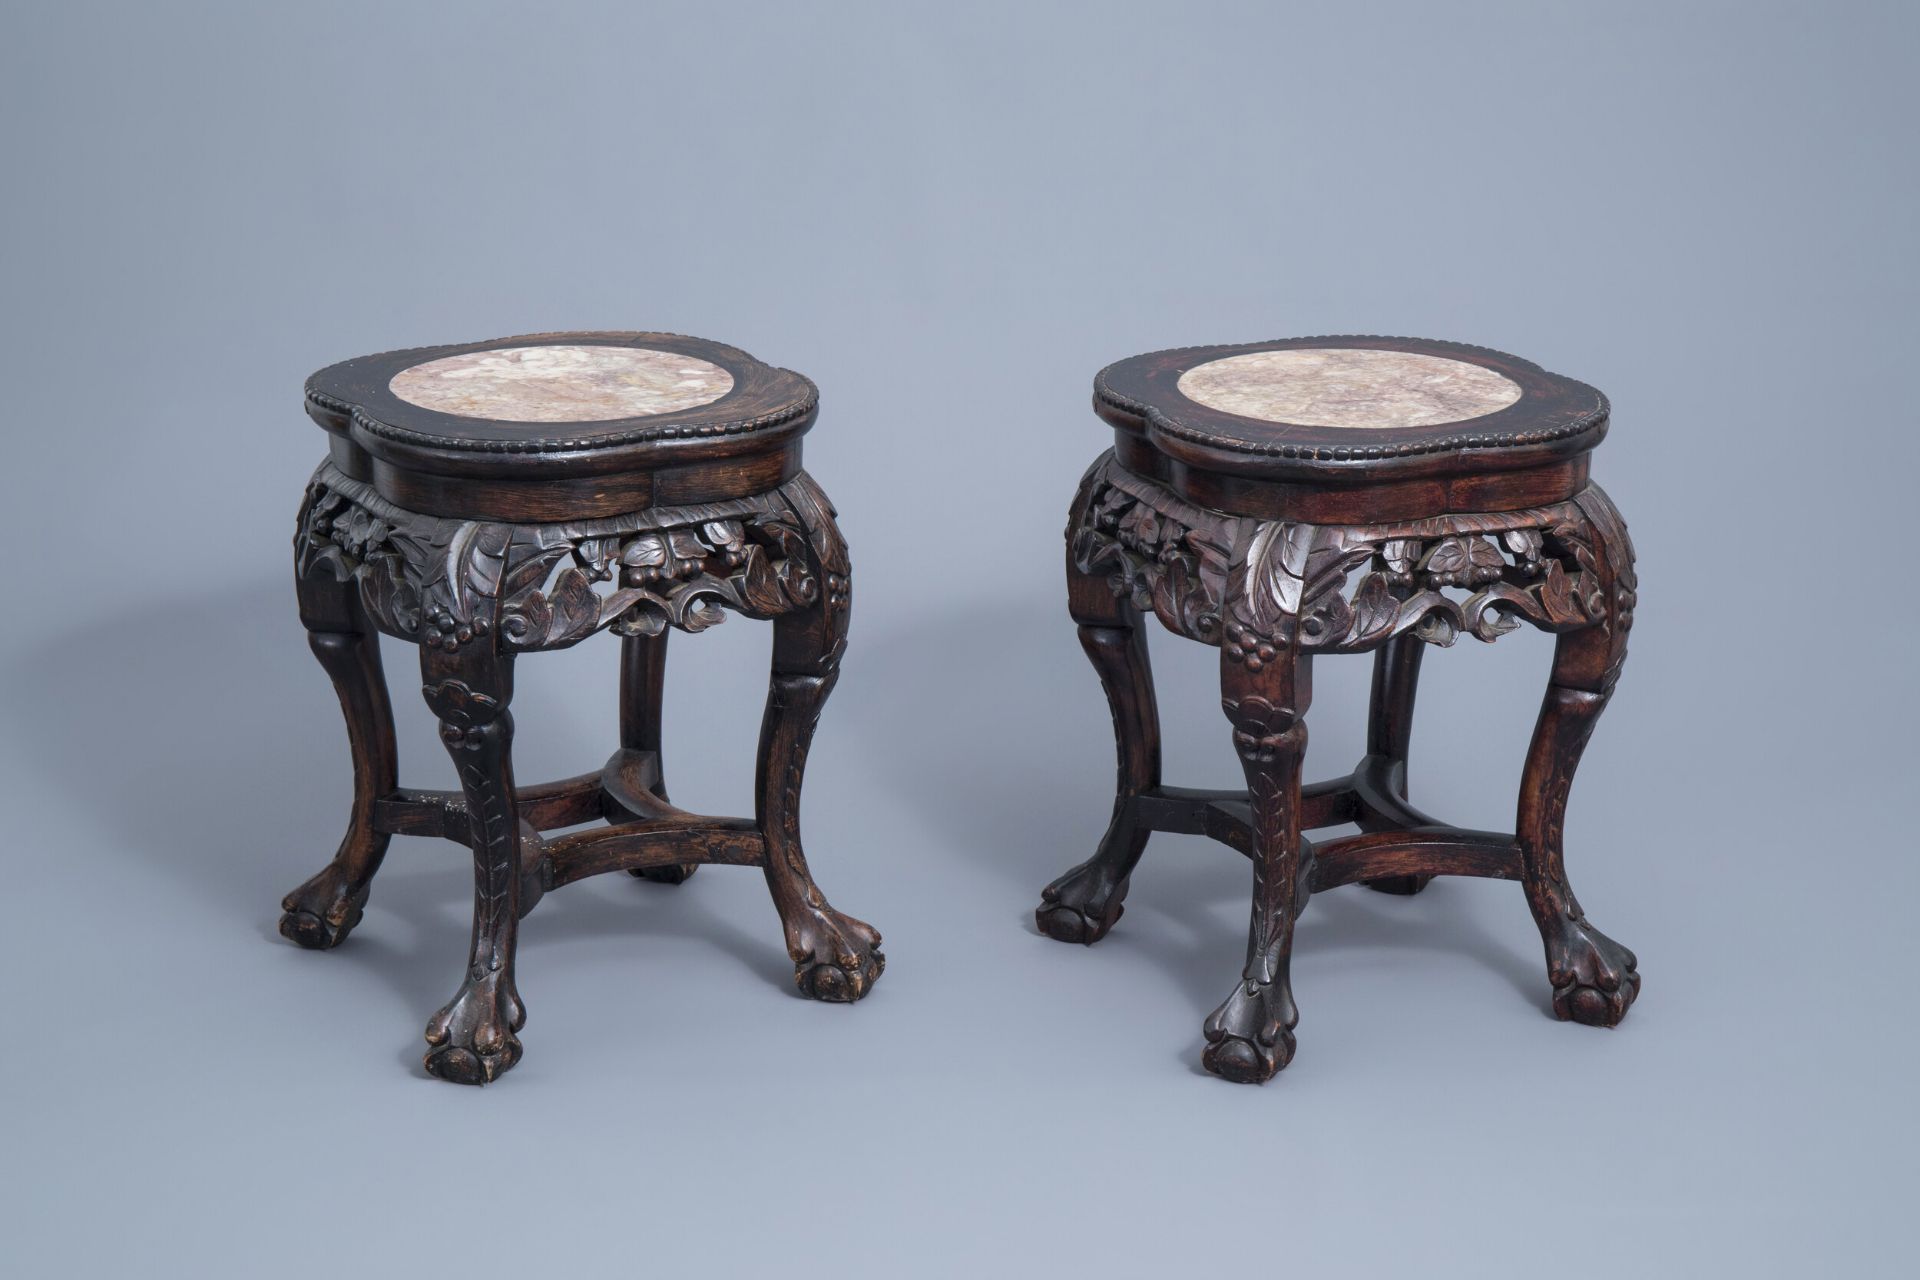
562	383
1348	387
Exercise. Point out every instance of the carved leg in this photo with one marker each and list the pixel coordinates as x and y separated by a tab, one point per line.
1085	902
643	675
1396	675
835	957
323	911
471	1040
1594	978
1250	1036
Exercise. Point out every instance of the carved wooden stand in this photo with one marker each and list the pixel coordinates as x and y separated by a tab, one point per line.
474	593
1299	570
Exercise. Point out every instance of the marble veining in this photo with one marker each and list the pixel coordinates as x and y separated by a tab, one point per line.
562	383
1345	387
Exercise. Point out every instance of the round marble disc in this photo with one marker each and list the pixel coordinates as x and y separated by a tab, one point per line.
562	383
1348	387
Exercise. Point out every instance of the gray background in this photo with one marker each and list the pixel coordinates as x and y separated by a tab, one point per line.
951	220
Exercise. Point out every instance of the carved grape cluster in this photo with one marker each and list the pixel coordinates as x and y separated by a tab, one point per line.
1137	526
671	555
352	528
1463	561
1248	646
1625	597
442	630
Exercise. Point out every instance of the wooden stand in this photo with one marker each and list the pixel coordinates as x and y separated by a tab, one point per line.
526	545
1333	539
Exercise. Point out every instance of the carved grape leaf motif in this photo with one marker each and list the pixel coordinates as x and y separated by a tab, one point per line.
1463	561
789	548
445	582
1539	566
1375	610
760	583
1557	597
1400	555
597	556
390	596
1295	574
1141	525
1525	545
567	612
663	554
1277	574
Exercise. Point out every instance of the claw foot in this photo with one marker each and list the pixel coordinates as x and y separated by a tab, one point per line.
1081	905
1593	976
1250	1037
835	957
471	1041
322	912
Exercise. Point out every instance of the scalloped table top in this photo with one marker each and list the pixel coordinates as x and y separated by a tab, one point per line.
569	383
1349	388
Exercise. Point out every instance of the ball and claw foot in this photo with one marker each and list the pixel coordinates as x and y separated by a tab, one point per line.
471	1041
322	912
835	957
1082	905
1594	979
676	874
1250	1037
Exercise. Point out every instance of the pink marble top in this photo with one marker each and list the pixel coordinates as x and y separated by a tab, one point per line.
562	383
1345	387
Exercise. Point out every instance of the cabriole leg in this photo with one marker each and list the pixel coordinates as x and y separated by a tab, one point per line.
1085	902
323	911
472	1040
835	957
1594	978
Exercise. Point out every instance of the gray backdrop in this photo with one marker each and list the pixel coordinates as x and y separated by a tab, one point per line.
950	218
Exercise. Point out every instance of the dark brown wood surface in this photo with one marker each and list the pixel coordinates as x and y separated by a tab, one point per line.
1272	592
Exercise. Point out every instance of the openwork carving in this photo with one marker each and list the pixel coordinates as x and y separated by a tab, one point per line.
442	582
1342	588
1166	555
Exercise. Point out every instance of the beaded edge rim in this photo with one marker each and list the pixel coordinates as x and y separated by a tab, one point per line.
1157	419
808	401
